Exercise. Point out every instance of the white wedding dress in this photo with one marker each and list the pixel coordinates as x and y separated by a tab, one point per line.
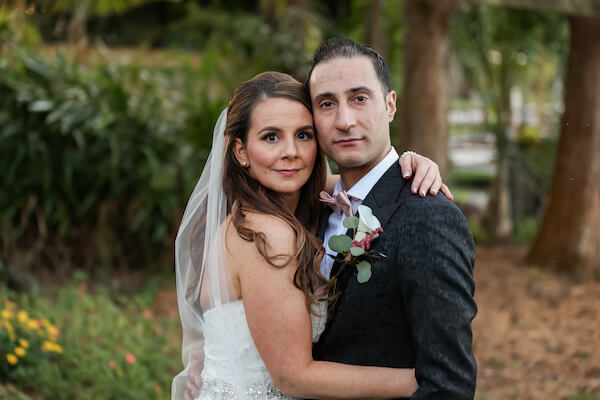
218	378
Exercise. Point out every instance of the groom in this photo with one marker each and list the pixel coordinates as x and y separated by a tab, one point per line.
416	309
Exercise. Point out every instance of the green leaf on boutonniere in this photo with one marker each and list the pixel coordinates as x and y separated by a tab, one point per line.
350	222
357	251
340	243
364	271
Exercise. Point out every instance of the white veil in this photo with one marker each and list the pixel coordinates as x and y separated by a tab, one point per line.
202	277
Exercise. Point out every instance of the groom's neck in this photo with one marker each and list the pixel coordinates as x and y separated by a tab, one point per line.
350	176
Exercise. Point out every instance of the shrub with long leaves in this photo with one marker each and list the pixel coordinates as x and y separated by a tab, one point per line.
97	162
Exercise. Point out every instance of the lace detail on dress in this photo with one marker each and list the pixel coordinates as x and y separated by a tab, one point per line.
221	390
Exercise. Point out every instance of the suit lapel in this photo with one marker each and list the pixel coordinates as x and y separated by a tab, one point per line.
383	198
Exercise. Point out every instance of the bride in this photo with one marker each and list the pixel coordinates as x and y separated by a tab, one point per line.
250	294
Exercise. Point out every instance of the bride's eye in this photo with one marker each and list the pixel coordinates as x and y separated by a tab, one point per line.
270	137
305	135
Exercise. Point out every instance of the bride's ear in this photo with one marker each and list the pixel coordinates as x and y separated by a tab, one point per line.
239	151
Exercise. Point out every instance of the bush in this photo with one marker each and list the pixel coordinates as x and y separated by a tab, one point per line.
114	347
98	161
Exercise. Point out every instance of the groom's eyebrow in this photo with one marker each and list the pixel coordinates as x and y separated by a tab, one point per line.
359	89
330	95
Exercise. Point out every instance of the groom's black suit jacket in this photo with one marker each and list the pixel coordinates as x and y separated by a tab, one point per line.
416	309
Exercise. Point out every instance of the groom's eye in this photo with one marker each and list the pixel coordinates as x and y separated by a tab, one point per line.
326	104
361	98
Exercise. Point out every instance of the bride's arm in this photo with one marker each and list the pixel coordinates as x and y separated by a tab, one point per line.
427	177
281	328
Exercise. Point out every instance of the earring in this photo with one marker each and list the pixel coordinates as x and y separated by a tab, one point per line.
244	164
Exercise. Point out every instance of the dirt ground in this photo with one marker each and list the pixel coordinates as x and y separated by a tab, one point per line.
536	335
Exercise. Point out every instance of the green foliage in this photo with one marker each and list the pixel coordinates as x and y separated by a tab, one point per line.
114	347
281	44
340	243
98	162
525	230
480	234
97	7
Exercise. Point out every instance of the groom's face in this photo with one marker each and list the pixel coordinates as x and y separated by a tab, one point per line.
351	112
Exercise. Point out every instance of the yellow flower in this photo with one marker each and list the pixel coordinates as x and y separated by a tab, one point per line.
52	331
7	314
53	347
24	343
11	305
33	325
20	351
23	317
12	359
9	329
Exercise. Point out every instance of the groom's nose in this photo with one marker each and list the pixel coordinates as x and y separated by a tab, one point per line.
344	118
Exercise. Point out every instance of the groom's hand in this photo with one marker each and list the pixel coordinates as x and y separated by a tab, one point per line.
192	387
194	375
427	175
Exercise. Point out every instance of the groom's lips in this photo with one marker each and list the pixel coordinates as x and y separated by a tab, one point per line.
347	141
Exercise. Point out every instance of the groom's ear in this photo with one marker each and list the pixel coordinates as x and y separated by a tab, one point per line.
240	152
390	104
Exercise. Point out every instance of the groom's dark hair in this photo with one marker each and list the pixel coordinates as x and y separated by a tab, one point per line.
344	47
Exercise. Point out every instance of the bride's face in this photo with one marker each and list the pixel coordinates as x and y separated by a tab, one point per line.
281	147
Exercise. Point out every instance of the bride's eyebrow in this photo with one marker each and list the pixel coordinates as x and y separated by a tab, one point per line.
269	129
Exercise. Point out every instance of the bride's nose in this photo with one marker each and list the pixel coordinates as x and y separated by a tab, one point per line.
290	148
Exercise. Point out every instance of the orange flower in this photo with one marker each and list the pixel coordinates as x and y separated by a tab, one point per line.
112	364
130	358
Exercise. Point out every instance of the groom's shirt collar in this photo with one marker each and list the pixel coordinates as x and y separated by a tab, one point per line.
361	189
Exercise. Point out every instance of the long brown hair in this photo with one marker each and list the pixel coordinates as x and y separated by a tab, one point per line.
244	193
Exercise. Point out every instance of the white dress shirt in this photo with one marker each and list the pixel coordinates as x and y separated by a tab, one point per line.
359	191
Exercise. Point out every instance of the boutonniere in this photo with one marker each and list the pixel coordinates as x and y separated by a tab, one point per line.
354	250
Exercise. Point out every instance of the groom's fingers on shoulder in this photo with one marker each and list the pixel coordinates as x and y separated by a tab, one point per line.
406	166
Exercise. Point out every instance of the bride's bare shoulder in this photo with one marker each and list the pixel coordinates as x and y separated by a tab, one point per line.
279	236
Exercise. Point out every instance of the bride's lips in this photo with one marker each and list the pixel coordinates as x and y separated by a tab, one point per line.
288	172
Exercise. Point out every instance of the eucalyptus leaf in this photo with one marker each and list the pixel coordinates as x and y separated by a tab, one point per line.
357	251
364	271
350	222
340	243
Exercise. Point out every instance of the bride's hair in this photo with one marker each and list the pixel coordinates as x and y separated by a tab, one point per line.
244	193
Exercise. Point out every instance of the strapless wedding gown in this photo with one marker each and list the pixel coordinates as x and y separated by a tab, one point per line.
230	355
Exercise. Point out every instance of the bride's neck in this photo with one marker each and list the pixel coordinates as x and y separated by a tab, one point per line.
291	201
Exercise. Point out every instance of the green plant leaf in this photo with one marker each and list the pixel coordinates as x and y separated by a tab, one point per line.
340	243
350	222
364	271
357	251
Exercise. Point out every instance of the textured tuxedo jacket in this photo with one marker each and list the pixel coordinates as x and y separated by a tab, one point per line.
416	309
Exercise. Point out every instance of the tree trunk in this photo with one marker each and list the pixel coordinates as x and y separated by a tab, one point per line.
19	9
424	103
376	37
77	29
569	236
498	216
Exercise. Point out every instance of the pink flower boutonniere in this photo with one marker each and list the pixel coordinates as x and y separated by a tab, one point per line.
366	228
